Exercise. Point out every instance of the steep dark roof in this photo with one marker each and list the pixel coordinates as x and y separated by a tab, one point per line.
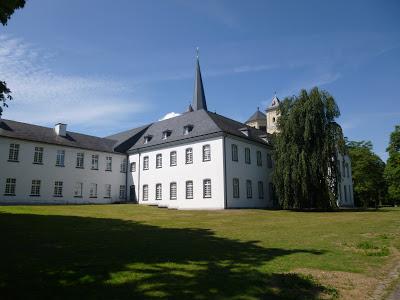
258	115
35	133
199	98
203	123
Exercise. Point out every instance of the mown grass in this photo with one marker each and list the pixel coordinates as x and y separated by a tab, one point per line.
130	251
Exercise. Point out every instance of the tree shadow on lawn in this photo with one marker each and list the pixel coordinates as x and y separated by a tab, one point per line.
66	257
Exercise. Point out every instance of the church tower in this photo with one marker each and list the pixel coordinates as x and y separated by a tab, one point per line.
273	115
258	120
199	98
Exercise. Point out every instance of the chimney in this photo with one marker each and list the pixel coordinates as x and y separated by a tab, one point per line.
61	129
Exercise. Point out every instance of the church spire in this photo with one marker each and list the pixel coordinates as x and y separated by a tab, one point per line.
199	99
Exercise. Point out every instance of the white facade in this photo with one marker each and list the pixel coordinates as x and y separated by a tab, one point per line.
24	171
345	186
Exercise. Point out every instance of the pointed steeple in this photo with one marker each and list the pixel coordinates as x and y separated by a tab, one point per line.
199	99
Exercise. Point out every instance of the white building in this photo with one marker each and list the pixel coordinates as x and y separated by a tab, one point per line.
198	160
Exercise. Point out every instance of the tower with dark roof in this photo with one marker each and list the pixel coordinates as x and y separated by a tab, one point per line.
258	120
272	113
199	98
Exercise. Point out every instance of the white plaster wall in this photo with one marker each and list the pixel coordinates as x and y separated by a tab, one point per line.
25	171
244	172
197	172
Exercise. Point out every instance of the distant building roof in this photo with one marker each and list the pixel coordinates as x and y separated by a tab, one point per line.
35	133
258	115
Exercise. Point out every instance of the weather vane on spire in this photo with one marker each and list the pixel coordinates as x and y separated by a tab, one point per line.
197	52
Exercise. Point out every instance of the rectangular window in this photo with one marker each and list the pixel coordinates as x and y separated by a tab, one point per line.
122	192
206	153
60	158
93	190
78	187
234	152
259	158
159	161
247	155
344	169
10	187
38	156
107	191
260	190
189	156
108	163
269	160
236	192
172	191
35	188
249	189
145	192
207	188
347	170
80	160
122	167
158	191
58	189
13	153
345	193
95	162
133	167
172	158
145	163
189	189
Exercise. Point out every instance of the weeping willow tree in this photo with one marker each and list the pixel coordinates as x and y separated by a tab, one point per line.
306	151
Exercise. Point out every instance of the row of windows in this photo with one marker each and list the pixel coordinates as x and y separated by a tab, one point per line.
173	190
167	133
13	156
347	193
249	189
345	169
11	184
173	158
247	156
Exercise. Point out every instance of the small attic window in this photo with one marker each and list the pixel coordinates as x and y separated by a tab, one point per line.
187	129
245	131
273	119
147	138
166	134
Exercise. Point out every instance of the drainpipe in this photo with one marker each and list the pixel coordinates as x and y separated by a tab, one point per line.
138	175
224	162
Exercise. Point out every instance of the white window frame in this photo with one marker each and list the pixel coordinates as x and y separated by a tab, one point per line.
259	158
235	156
260	190
247	155
60	158
107	191
58	188
38	156
10	188
145	163
235	188
188	156
122	192
109	163
158	161
158	191
80	160
269	161
189	189
133	166
145	192
95	162
173	190
93	190
249	189
13	154
207	188
206	152
122	167
173	158
78	189
35	188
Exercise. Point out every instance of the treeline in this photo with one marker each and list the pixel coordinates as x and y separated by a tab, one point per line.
375	182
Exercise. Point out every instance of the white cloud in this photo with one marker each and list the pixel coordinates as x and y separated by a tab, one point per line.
45	97
170	115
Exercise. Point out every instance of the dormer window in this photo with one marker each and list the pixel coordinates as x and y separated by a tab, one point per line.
245	131
166	134
147	138
187	129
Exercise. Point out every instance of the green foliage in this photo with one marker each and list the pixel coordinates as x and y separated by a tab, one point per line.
7	8
367	170
4	96
392	170
306	166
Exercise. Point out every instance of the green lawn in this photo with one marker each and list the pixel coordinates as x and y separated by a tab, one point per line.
130	251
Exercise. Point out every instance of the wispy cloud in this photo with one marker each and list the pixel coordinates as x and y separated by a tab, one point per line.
169	116
44	96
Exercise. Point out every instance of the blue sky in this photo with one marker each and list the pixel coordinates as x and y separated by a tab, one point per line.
107	66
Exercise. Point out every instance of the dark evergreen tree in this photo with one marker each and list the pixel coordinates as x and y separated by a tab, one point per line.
392	170
306	147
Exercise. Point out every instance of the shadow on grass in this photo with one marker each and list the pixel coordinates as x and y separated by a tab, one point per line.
65	257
